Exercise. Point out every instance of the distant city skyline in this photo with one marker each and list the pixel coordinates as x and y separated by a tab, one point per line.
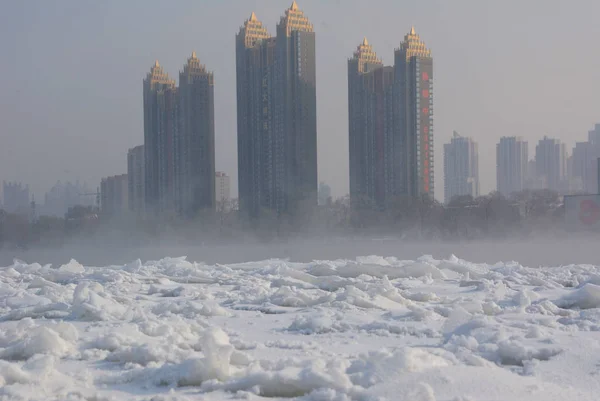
87	125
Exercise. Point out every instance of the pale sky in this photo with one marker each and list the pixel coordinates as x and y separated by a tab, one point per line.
72	70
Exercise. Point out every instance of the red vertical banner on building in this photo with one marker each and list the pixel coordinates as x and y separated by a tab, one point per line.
424	117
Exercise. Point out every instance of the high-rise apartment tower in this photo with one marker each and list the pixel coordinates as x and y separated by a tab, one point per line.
390	115
277	126
160	128
461	168
511	164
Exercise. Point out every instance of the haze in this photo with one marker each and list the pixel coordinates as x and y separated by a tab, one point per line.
71	99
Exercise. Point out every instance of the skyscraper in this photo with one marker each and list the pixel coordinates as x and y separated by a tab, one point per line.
598	175
593	156
136	179
375	165
277	129
461	168
511	165
594	135
195	139
581	160
390	111
223	193
414	87
551	163
160	126
179	140
255	57
113	195
584	162
295	133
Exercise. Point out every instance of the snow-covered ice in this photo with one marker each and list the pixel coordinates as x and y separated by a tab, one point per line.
373	328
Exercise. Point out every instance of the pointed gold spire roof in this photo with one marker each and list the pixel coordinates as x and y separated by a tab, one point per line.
413	46
193	67
364	55
252	31
294	20
157	76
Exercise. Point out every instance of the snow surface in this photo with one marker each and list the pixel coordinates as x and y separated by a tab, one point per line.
373	328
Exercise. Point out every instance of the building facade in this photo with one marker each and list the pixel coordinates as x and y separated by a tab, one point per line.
179	141
584	168
160	127
551	164
598	175
511	165
223	188
370	128
277	129
593	178
114	193
136	180
195	140
594	135
580	162
413	69
255	63
295	117
461	168
390	119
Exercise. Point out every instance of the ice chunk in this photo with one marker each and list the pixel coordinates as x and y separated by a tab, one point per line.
216	363
58	340
292	297
10	373
90	302
314	324
513	352
293	381
382	366
169	292
586	297
72	267
143	354
190	309
457	318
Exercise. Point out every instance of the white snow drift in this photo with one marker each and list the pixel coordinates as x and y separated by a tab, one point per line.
368	329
